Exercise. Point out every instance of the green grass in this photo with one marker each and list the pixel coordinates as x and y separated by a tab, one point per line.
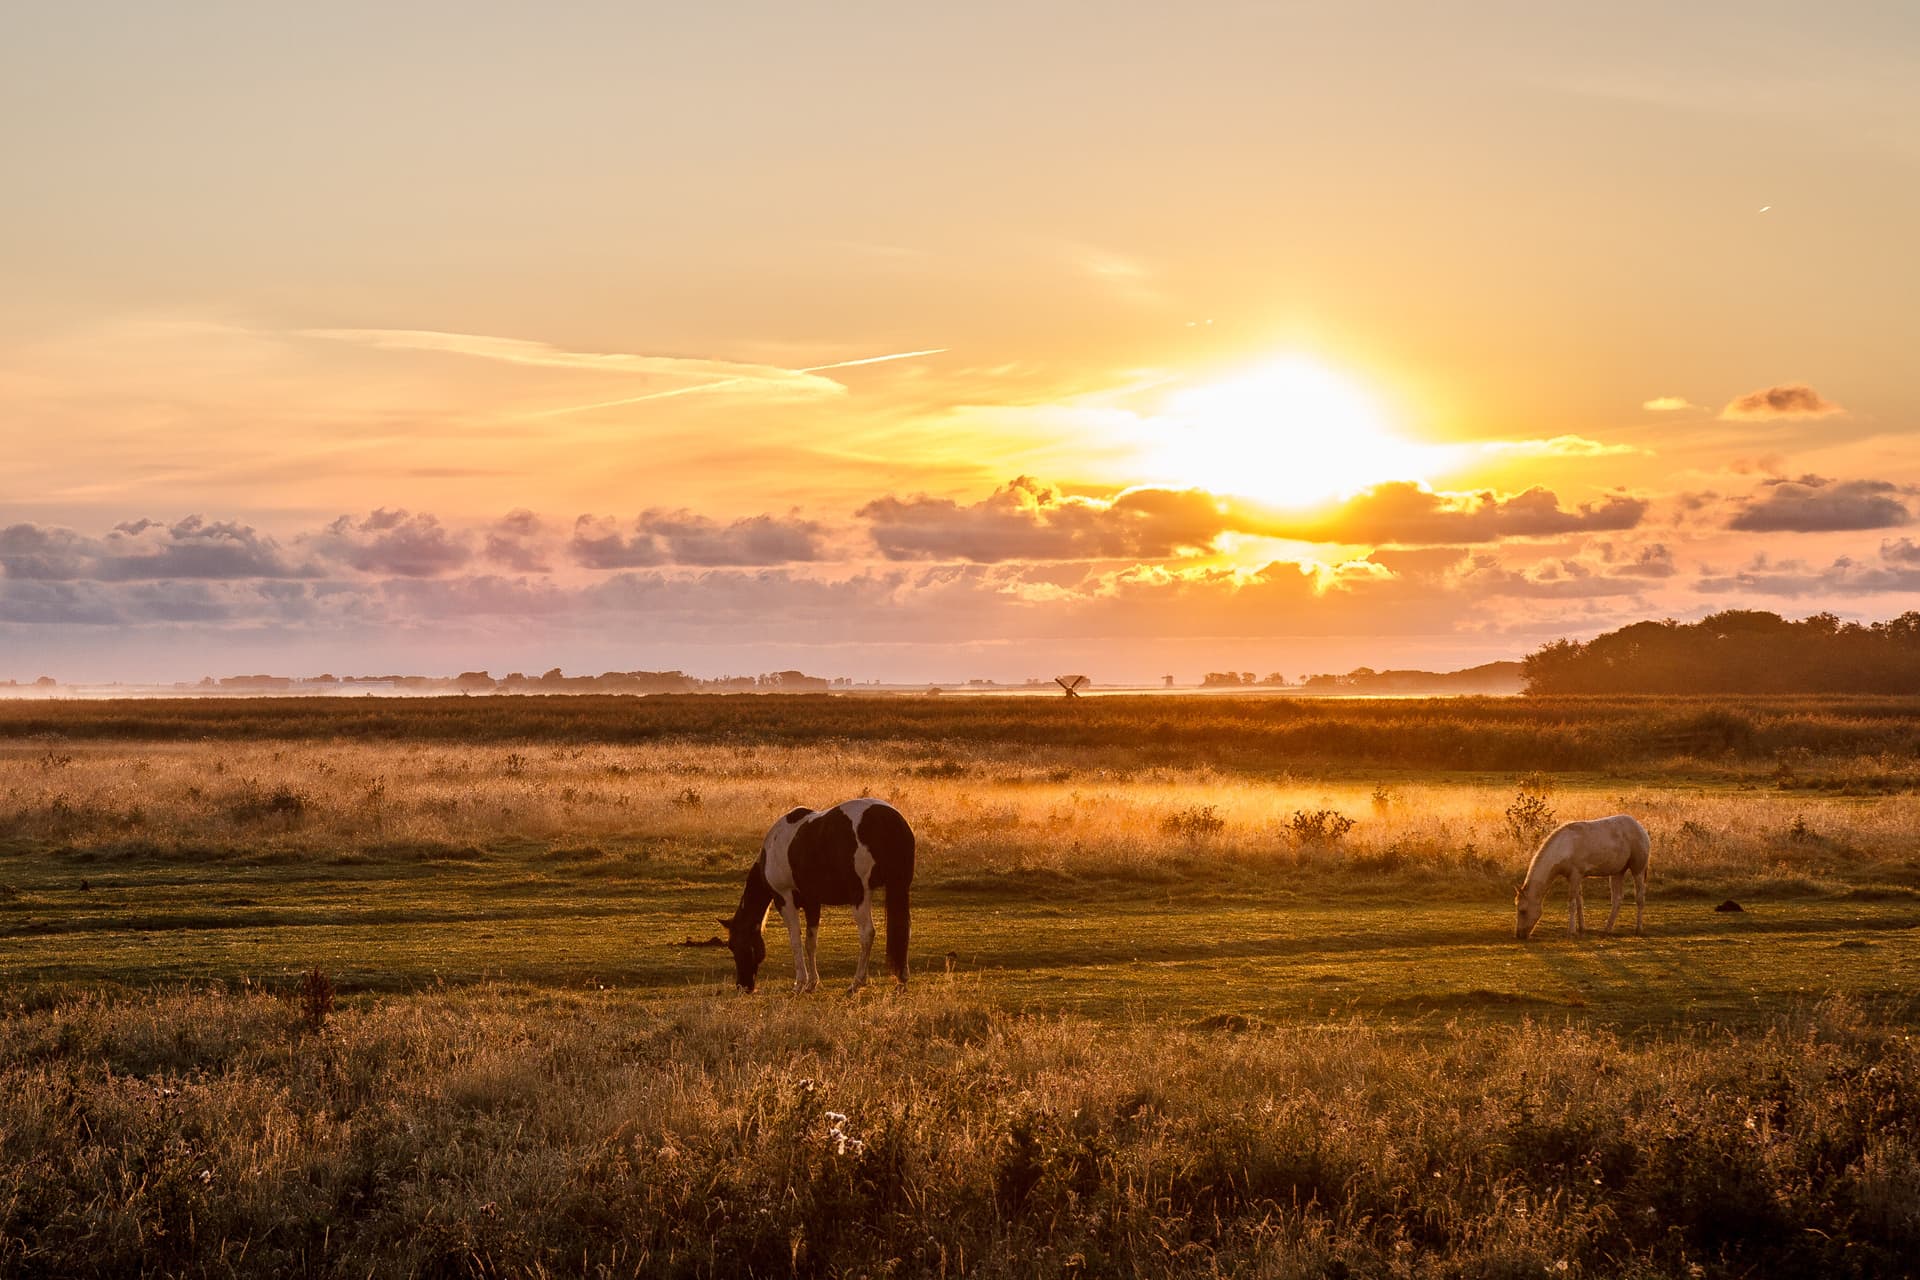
1199	941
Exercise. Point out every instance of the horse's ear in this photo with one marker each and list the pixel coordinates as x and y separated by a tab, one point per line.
725	923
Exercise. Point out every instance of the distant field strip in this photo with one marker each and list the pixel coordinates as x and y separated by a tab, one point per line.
1224	731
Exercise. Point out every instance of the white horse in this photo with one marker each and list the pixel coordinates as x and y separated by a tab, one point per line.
1614	847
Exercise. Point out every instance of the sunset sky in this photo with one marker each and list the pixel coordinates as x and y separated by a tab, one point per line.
927	342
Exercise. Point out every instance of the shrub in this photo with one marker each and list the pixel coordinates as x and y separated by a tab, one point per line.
1322	826
251	804
315	998
1194	823
1529	817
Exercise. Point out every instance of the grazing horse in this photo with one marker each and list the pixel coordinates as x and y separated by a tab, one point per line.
1614	847
815	858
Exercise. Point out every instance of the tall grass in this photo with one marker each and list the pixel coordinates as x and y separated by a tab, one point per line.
500	1131
976	808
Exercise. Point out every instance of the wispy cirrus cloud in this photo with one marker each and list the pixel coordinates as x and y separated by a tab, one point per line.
1667	404
1563	446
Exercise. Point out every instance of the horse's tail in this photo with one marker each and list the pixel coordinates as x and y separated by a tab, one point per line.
897	925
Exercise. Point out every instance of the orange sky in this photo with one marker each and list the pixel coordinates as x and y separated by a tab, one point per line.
993	341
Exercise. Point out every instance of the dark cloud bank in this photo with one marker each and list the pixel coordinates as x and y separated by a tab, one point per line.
1815	504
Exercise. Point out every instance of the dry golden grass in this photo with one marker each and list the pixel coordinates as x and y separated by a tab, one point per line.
497	1131
978	810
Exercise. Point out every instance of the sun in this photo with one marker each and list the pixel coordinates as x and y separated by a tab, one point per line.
1292	432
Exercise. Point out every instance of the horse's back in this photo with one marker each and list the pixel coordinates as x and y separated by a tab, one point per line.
1613	846
837	856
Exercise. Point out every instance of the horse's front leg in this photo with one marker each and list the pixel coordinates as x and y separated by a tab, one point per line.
1639	896
1576	919
1619	886
812	910
863	917
791	914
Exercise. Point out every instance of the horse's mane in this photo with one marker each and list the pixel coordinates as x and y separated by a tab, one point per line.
1541	863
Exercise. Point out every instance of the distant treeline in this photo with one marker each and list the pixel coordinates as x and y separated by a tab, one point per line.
551	682
1738	651
1490	677
1254	734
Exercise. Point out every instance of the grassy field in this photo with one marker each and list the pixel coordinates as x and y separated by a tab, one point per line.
1170	1012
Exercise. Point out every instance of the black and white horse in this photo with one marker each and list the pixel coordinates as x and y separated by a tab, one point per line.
815	858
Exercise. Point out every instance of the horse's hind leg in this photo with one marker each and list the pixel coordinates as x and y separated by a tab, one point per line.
863	917
1619	886
1639	896
812	910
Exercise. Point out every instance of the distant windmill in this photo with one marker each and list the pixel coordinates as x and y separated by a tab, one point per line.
1072	684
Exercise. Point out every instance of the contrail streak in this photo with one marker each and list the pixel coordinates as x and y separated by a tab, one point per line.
899	355
731	382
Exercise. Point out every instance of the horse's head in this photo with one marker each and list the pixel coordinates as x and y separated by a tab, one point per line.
1527	913
748	947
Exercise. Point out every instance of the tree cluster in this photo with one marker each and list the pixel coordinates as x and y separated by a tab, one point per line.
1736	651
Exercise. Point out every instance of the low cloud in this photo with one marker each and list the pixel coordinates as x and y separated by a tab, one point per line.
1788	400
1815	504
683	538
1904	551
1028	520
1653	561
1667	404
519	541
1562	578
147	550
393	542
1405	514
1898	570
207	604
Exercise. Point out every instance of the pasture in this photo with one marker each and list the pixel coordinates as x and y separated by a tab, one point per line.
1198	984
